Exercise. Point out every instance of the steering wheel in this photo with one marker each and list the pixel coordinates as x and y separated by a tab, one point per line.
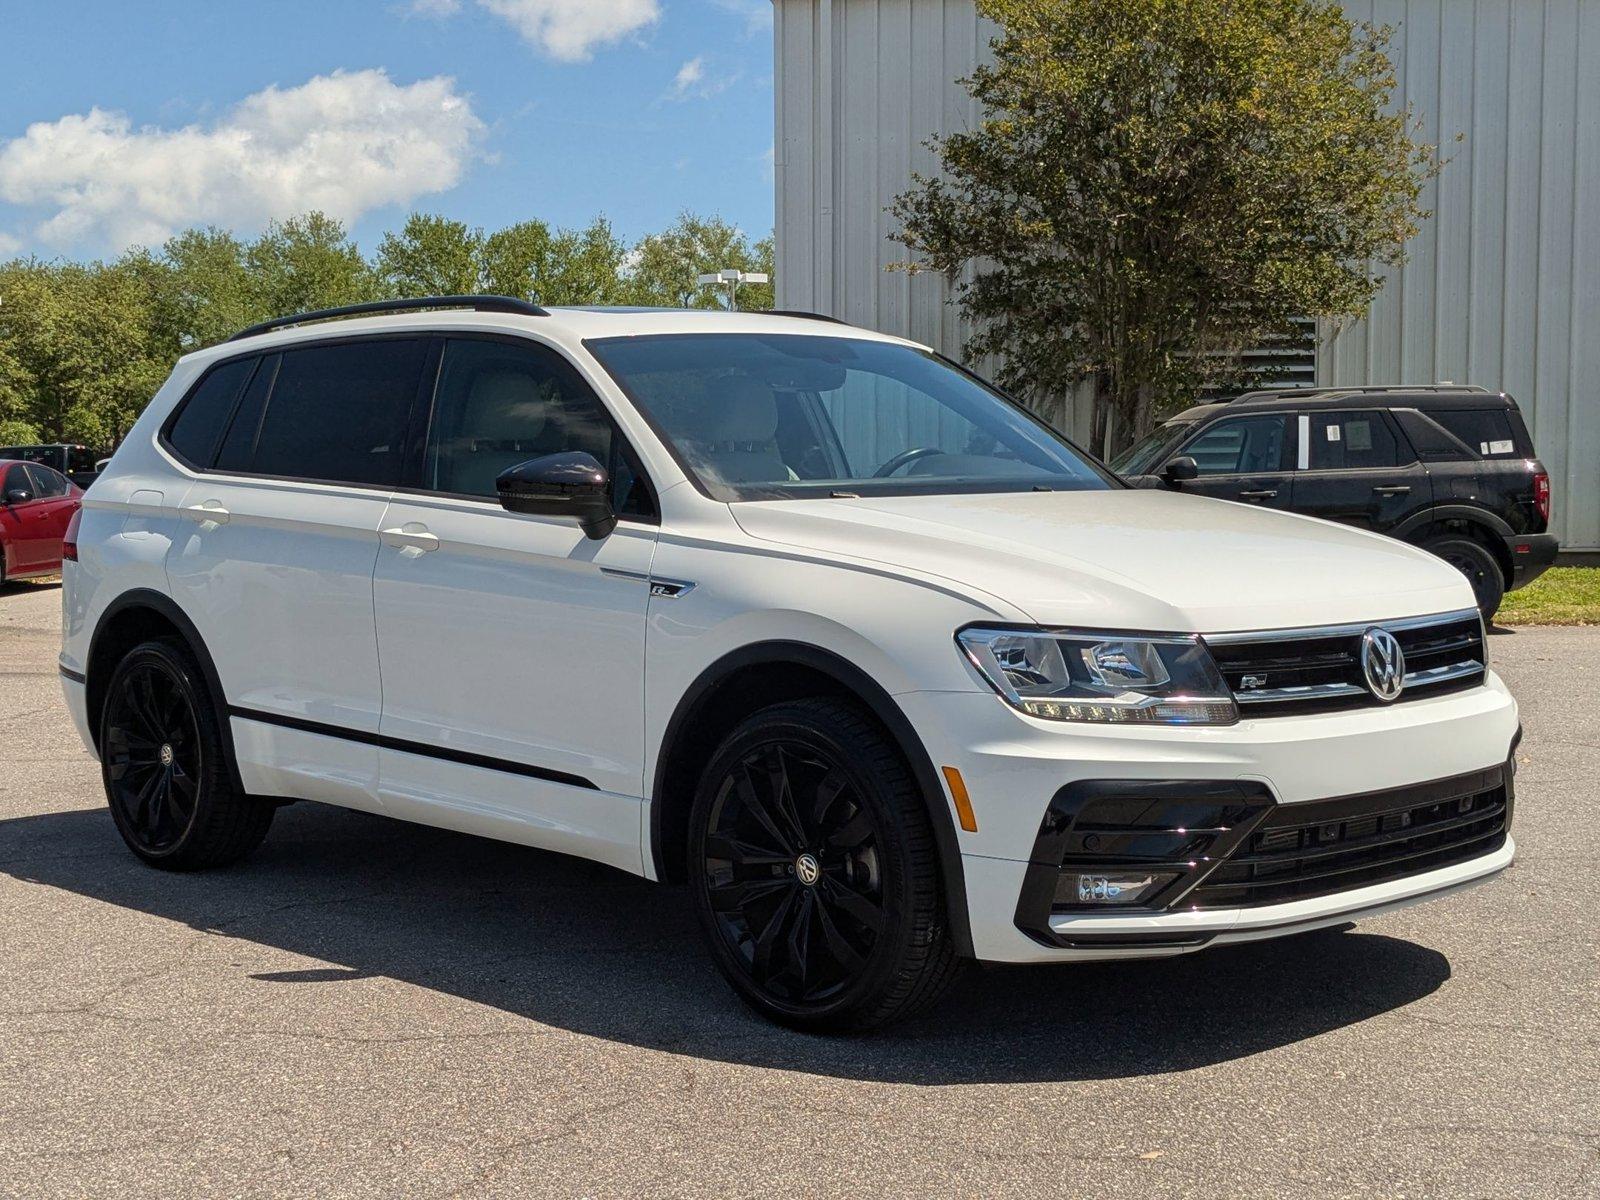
904	459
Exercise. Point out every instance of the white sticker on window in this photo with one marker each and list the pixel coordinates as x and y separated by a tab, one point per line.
1496	447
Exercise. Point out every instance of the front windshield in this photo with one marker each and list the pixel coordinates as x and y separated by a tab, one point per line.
1152	448
785	416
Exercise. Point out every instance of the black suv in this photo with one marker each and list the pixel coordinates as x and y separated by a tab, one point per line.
76	462
1450	469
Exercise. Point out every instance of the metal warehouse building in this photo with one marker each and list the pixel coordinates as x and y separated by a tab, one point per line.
1503	285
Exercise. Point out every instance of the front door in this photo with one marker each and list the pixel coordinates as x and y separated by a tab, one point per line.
1358	468
21	521
512	645
1245	458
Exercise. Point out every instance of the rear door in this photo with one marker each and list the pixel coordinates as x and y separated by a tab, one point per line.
1357	468
275	555
55	502
1248	458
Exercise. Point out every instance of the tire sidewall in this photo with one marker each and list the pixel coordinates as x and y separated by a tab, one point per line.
785	723
1469	548
182	669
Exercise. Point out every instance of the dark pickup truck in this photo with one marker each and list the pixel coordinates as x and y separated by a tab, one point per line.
1451	469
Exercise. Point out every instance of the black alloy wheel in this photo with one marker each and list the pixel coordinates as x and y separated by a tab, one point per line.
164	763
792	867
814	871
152	756
1475	561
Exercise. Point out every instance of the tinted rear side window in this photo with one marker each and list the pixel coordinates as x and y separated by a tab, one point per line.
200	422
339	412
1485	430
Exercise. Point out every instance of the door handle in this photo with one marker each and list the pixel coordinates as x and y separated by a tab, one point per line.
410	536
211	510
1261	494
1392	490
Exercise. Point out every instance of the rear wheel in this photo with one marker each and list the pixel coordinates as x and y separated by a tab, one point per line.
1474	560
164	766
814	871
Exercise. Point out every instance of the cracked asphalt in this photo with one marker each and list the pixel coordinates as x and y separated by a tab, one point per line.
366	1008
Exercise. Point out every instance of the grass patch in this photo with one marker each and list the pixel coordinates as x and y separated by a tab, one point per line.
1561	596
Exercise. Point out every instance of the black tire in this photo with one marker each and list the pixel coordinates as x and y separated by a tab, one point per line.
164	765
856	937
1477	562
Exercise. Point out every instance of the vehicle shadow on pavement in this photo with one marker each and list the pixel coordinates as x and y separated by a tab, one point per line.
588	949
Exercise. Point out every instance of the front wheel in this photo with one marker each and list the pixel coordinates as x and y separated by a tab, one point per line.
1474	560
814	871
163	762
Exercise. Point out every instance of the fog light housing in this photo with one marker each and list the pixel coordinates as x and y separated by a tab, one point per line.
1109	889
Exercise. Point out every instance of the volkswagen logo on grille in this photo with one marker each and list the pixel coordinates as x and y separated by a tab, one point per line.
1383	663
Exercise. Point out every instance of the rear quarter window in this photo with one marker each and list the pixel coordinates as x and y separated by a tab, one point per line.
194	432
1486	431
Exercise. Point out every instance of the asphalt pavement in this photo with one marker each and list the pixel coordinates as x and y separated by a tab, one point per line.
367	1008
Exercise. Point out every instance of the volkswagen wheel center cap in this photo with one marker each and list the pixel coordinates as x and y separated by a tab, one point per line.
1383	663
807	869
166	756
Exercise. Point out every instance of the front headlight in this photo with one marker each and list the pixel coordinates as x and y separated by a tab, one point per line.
1109	678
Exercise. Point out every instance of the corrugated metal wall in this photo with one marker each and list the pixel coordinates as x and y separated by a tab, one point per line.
1503	288
1503	285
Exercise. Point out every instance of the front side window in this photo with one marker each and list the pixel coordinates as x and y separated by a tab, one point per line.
789	416
17	480
1241	446
336	413
1347	441
500	404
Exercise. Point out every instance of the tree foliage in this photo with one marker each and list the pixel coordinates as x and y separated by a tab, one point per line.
83	346
1158	186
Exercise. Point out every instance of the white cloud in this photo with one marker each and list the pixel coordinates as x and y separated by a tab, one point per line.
10	247
569	30
691	81
343	143
689	76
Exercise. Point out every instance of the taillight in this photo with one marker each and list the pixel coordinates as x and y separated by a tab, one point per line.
69	540
1541	493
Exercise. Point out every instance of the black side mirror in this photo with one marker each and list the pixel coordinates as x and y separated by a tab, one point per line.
1179	469
570	484
18	496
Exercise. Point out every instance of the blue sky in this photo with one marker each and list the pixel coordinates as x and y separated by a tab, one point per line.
122	120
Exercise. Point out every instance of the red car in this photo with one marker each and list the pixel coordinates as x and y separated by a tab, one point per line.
36	504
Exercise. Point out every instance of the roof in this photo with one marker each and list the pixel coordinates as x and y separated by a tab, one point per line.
1421	396
558	324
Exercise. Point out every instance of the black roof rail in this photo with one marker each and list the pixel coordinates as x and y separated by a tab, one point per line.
500	304
1357	389
795	312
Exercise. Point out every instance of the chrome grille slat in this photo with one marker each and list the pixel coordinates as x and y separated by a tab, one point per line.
1287	671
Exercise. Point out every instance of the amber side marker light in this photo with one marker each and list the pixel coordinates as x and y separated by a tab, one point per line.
958	793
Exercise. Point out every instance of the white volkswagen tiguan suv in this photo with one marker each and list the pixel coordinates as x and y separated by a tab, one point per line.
809	618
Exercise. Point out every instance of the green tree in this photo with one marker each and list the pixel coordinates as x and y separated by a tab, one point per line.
664	266
205	294
307	262
431	256
563	266
1159	185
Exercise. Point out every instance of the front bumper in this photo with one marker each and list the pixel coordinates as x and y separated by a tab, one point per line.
1532	554
1013	767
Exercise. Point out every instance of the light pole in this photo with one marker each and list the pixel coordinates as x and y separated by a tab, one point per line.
730	278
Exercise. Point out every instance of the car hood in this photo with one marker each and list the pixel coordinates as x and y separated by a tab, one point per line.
1128	559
